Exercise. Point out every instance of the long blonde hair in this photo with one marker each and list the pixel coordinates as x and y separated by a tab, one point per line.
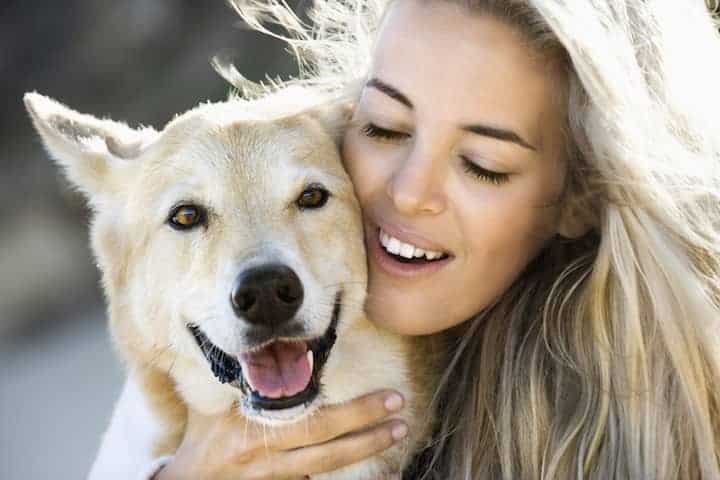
603	359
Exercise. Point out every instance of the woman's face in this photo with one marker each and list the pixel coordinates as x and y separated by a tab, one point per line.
455	150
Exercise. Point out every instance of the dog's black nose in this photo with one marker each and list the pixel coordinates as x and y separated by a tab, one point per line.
269	294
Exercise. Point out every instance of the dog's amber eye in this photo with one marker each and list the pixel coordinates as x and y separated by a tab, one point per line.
314	196
186	216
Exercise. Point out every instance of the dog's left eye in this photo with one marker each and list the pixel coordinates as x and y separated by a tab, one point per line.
185	217
314	196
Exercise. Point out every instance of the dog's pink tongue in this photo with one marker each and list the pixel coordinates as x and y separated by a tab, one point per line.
279	370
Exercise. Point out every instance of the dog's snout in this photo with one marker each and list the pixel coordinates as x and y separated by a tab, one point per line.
269	294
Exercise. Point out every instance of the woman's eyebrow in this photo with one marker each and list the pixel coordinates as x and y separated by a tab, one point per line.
499	134
390	91
480	129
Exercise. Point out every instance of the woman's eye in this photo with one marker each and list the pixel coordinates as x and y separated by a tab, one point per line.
373	131
185	217
477	171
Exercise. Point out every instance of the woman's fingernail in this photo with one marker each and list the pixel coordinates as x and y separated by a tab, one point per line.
399	431
393	402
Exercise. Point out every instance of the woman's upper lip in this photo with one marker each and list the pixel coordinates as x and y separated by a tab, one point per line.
408	235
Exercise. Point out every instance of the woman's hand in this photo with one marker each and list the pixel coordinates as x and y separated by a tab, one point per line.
230	447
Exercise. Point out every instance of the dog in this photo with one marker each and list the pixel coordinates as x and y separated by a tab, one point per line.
231	250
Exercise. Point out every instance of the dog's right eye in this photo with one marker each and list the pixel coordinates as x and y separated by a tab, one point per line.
314	196
185	217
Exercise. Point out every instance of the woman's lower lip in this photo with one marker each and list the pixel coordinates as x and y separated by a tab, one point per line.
391	266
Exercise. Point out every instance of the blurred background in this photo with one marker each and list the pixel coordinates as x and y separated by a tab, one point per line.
141	61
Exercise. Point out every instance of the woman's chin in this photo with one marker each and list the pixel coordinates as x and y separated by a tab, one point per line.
402	314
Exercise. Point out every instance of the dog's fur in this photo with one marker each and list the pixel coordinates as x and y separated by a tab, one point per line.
246	162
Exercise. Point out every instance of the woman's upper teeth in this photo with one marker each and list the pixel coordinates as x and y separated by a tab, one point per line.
397	247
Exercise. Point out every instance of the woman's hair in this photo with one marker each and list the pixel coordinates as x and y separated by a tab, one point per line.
602	360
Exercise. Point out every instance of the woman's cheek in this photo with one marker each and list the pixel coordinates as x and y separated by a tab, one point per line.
363	166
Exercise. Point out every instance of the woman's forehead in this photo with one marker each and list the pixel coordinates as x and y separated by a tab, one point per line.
469	67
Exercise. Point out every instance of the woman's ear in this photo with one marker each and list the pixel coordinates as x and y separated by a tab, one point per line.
575	220
89	149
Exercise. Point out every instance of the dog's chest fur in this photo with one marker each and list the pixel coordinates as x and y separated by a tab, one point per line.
365	360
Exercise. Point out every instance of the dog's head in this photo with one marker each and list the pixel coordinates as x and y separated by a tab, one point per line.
230	243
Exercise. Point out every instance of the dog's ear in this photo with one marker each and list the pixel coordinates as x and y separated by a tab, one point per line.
334	117
87	148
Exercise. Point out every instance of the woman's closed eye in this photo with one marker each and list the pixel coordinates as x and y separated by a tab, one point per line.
373	131
479	172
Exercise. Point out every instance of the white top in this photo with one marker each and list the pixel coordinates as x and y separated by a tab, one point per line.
126	449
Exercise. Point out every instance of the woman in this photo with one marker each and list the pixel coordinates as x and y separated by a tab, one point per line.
562	158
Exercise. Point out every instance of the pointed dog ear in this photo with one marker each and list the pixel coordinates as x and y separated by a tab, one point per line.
88	149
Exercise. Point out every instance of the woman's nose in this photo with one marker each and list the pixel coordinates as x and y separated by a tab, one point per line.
416	186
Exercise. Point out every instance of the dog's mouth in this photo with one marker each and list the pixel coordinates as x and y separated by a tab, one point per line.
279	374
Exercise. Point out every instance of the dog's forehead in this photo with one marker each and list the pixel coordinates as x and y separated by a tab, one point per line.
254	135
216	149
279	106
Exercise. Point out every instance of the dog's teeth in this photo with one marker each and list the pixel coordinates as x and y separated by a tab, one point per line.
311	359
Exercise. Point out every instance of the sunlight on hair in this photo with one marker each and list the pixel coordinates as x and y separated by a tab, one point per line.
603	359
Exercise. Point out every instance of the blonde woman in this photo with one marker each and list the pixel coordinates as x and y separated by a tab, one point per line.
564	157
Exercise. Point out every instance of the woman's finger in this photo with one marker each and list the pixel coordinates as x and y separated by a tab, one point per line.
340	452
334	436
336	420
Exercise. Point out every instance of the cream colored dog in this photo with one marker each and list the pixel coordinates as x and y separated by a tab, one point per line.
231	252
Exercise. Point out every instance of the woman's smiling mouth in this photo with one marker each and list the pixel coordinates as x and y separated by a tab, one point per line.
407	251
398	255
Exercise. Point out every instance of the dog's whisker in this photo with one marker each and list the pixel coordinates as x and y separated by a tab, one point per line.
340	284
265	440
172	365
331	302
349	304
206	319
158	352
306	421
245	433
355	306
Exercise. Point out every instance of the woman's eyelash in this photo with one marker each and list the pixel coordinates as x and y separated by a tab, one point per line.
373	131
479	172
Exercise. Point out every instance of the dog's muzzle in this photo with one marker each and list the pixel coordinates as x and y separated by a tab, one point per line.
283	369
